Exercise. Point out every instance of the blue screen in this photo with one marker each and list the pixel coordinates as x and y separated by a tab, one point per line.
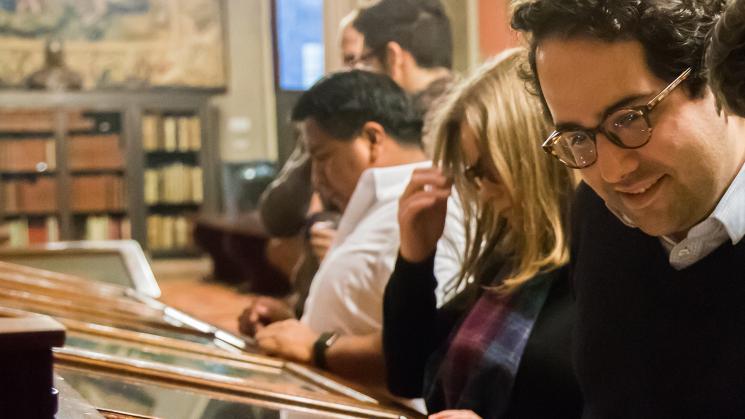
300	43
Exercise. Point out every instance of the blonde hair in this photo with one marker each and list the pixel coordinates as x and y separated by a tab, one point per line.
509	124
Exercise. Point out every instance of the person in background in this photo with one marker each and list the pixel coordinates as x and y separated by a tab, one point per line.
285	203
352	42
365	141
289	207
410	41
501	348
657	256
725	59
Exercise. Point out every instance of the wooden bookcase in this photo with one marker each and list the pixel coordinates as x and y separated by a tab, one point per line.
108	164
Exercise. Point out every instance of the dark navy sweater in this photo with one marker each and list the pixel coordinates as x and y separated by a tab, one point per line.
651	341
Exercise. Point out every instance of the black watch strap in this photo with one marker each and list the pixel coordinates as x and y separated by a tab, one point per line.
320	346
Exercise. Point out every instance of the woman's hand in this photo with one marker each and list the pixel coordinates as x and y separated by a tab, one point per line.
422	210
455	414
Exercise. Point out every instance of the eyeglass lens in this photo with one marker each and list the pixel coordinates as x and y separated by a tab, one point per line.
627	128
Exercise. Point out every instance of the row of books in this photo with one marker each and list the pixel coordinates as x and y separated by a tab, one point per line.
38	154
176	183
98	193
41	120
171	133
94	152
105	227
27	155
89	193
25	231
29	195
168	232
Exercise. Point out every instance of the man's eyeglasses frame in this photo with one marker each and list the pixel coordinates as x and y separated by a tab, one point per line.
643	110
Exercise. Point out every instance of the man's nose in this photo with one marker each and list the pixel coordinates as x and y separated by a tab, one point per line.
615	163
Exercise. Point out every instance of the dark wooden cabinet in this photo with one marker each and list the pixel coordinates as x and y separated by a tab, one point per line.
26	363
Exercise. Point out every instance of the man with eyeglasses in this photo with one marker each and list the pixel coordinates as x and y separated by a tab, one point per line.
411	42
658	260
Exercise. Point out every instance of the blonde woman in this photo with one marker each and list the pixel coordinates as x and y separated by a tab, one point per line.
501	347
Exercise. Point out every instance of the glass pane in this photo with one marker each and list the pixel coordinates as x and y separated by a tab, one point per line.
89	318
136	351
146	398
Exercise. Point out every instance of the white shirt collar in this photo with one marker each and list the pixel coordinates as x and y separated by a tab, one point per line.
375	186
730	211
726	221
389	182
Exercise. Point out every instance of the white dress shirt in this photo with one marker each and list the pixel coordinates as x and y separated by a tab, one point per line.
347	291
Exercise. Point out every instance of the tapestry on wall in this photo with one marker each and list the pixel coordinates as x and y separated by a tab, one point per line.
116	43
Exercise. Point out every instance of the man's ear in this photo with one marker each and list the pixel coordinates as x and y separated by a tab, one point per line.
394	61
375	134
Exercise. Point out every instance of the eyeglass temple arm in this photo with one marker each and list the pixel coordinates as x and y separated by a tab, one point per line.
670	87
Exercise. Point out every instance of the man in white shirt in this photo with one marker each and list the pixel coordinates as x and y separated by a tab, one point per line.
365	141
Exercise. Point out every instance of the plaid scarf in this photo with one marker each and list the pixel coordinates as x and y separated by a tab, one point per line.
479	368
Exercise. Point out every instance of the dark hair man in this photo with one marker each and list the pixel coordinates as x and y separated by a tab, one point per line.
657	254
284	209
364	141
410	41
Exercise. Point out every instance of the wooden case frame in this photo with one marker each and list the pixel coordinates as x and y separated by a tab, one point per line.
72	297
328	405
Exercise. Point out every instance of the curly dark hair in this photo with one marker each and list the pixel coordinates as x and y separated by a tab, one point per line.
421	27
341	103
673	33
725	58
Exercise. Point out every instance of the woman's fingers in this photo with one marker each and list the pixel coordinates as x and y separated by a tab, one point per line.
427	179
455	414
421	201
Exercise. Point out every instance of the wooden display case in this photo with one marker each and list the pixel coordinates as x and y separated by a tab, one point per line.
129	356
70	297
26	342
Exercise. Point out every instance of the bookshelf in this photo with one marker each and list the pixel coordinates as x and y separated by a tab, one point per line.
28	175
100	165
173	188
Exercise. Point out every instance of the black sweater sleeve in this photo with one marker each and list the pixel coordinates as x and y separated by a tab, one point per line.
409	325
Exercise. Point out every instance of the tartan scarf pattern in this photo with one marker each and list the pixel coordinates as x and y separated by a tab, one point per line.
479	368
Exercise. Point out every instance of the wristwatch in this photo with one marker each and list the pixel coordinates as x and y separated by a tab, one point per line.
321	345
